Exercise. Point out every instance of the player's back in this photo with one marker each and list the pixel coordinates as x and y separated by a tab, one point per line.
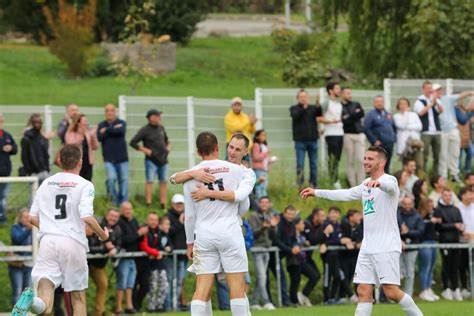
215	217
60	204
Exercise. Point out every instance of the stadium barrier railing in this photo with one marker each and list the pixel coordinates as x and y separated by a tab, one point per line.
174	254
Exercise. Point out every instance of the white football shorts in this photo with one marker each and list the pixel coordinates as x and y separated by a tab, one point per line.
379	268
214	255
63	261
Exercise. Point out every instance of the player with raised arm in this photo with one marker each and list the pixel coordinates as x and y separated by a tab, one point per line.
63	206
379	257
213	232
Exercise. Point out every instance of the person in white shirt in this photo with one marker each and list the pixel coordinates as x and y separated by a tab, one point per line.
213	232
409	126
333	130
379	257
62	208
466	207
429	112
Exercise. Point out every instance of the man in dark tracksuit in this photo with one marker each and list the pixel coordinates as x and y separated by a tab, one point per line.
35	150
314	233
7	148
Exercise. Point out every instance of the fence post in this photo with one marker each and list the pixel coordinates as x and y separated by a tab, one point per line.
278	276
258	108
122	103
175	281
308	13
35	241
449	86
191	136
48	127
287	14
322	143
471	270
387	93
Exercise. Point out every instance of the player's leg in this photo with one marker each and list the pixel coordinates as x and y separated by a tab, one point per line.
201	303
79	302
239	303
365	277
393	292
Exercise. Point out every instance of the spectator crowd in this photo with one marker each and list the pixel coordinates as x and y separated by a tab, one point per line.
437	128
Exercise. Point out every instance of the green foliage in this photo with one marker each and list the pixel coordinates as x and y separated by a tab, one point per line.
177	18
101	65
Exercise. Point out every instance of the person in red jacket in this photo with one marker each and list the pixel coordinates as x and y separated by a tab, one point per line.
154	243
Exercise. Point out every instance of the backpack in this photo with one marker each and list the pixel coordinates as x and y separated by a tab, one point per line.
248	234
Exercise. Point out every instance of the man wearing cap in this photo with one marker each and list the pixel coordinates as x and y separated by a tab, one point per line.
450	137
178	239
237	121
429	112
156	147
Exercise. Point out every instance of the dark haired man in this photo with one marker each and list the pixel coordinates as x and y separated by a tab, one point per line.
62	208
379	257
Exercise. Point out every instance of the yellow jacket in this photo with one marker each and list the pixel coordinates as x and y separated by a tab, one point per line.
238	123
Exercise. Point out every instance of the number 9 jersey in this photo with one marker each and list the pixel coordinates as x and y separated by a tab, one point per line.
61	203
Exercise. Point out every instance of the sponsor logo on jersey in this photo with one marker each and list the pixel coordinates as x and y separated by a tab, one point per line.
219	170
64	184
369	206
91	193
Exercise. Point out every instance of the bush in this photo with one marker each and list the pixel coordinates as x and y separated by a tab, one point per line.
102	65
73	35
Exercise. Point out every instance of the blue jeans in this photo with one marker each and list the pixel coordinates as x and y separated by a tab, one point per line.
3	202
117	172
261	188
19	279
427	264
312	148
181	272
126	274
260	293
223	295
467	164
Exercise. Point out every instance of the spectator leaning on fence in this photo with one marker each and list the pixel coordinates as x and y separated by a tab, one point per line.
97	267
380	128
156	147
236	121
466	207
7	148
305	136
450	230
354	137
411	230
111	133
408	124
80	134
429	112
63	126
261	162
464	119
263	225
20	271
178	239
333	130
35	150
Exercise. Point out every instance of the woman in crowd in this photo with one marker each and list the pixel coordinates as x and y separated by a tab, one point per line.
80	134
409	126
261	162
420	191
20	271
427	255
402	177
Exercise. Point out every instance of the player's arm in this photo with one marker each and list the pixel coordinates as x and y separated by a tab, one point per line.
351	194
189	221
94	225
201	175
34	210
388	185
86	211
244	206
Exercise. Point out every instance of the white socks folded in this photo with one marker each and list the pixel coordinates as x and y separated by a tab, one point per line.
409	306
363	309
240	306
38	306
201	308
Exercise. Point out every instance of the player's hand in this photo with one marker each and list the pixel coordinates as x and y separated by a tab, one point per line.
306	193
372	184
200	194
203	175
328	230
105	235
189	251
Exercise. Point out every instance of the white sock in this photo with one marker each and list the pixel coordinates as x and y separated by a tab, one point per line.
239	307
199	308
248	305
409	306
209	307
38	306
363	309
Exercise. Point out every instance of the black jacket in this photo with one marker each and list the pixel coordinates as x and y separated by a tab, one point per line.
334	238
98	246
355	233
114	146
416	226
130	237
5	162
449	215
157	240
305	127
430	232
177	232
285	236
352	114
314	233
34	152
154	138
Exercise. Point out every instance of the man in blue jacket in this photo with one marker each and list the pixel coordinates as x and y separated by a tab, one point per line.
7	148
412	227
380	129
111	133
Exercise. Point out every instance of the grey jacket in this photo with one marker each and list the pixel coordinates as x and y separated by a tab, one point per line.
263	237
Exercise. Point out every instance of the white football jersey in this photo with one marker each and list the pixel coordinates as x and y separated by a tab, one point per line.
212	217
60	203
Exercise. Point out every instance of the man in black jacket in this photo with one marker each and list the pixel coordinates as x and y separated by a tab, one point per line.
354	137
97	270
315	234
450	230
305	136
35	150
7	148
156	147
